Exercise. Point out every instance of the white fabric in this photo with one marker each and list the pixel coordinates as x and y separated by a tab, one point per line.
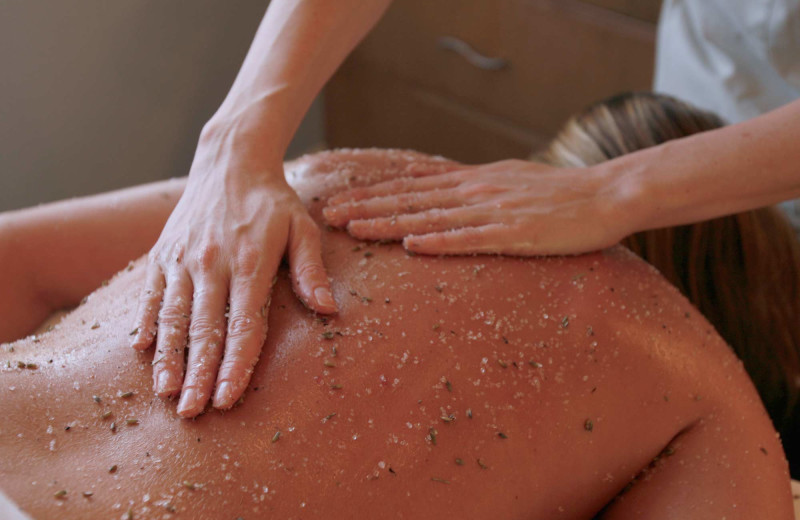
9	511
738	58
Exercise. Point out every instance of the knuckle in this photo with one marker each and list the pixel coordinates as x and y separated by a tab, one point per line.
248	260
309	229
309	270
173	313
472	237
243	324
206	257
237	369
435	217
177	254
204	330
148	297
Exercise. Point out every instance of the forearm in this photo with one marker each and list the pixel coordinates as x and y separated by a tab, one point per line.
56	253
736	168
297	47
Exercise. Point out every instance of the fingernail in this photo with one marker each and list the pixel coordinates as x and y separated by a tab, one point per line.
164	385
224	395
188	401
324	297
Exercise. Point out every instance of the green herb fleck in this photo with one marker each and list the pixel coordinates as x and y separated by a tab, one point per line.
134	332
336	386
106	415
112	469
502	363
535	364
448	385
87	494
440	480
588	425
482	464
61	493
460	462
327	335
96	398
126	395
565	322
276	436
448	418
330	364
132	421
432	435
469	413
502	435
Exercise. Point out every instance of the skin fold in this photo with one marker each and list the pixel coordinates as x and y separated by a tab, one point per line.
445	387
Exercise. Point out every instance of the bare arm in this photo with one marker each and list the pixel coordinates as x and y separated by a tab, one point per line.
733	169
238	218
525	208
55	254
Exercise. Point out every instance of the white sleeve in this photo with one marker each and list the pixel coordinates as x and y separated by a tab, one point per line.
9	510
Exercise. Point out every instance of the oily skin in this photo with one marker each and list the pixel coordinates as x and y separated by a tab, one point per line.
649	368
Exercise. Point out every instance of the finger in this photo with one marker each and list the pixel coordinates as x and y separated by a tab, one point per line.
402	185
491	238
413	202
206	342
247	328
431	221
149	303
173	325
309	278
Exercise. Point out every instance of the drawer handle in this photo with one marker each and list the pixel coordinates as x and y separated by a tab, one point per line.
464	49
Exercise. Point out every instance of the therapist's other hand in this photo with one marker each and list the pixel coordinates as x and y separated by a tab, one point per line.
509	207
210	275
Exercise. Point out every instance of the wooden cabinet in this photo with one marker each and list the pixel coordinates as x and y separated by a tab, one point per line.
482	80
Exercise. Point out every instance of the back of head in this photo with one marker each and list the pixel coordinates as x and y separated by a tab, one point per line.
740	271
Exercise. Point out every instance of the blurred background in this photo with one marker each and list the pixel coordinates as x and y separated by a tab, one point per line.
100	95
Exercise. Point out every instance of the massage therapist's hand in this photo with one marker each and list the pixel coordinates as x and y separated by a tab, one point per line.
510	207
222	246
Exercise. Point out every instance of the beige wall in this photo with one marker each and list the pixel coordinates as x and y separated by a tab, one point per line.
96	94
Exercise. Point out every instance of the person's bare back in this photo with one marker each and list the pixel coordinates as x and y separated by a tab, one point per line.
459	387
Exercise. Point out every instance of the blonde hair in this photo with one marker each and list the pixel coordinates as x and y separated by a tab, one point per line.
742	271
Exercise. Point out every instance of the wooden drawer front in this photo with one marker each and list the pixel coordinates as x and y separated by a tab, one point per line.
563	54
365	108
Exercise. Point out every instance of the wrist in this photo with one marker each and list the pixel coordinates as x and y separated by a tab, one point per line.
632	202
253	132
237	145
